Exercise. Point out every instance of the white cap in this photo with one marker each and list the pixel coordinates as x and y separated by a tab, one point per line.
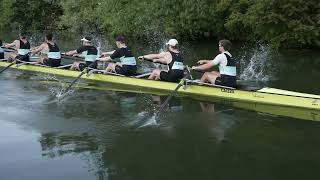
172	42
86	39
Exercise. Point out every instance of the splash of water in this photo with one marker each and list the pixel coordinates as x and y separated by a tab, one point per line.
144	119
147	117
150	122
58	89
258	65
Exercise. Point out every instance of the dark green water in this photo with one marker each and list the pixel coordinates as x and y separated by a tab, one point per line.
101	134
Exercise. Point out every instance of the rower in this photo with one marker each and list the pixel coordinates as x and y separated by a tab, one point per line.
227	75
51	52
23	47
127	65
1	50
89	52
172	58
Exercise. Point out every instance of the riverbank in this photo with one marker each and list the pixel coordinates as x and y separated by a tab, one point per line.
281	24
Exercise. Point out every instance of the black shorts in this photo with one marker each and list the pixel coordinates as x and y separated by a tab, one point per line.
25	58
1	55
225	80
126	70
52	62
82	66
171	76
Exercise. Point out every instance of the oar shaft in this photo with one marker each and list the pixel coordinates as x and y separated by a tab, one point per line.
75	80
85	71
7	67
8	49
171	95
189	72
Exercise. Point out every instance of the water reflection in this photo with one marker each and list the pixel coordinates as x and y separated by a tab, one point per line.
184	143
196	139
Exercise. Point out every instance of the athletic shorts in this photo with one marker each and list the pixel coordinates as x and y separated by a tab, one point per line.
82	66
1	55
224	80
52	62
25	58
171	76
126	70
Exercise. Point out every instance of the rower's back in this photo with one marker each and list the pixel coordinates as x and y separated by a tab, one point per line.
176	67
24	48
228	73
227	65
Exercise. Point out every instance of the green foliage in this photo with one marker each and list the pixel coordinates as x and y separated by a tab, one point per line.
80	15
5	15
285	23
31	14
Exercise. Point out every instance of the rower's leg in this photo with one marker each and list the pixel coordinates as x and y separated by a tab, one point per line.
208	77
155	75
111	67
75	66
12	57
40	61
215	73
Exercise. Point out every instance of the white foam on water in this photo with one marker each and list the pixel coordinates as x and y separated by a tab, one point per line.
258	65
139	117
57	90
144	119
150	122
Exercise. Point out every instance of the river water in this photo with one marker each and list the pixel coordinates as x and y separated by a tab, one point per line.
98	132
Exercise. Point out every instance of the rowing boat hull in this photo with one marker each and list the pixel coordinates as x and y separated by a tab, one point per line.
269	96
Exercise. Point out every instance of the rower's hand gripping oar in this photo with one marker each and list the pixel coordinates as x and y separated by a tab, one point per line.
13	63
189	72
181	83
8	49
86	70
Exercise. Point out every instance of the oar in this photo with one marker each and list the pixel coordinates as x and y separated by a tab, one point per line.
8	49
189	72
8	66
14	62
65	66
72	57
182	81
80	75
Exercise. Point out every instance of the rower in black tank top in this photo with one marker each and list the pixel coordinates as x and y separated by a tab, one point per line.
175	72
128	61
225	79
23	51
54	56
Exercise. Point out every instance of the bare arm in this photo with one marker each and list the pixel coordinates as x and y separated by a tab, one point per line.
203	61
106	58
38	49
161	58
70	53
13	44
204	65
108	53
